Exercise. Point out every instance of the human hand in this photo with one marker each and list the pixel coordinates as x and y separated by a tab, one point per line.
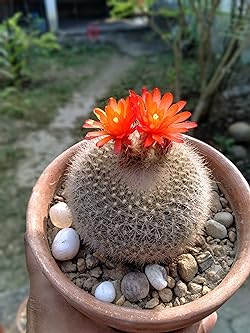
49	312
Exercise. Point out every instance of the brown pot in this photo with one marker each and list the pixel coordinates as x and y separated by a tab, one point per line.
236	190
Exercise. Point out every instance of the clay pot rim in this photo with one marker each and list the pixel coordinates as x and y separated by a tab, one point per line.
172	318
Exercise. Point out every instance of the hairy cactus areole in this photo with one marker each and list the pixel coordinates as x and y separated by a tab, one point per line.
138	192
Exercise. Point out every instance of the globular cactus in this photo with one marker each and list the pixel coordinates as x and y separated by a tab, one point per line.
147	200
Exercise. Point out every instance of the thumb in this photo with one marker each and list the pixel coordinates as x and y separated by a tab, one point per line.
208	323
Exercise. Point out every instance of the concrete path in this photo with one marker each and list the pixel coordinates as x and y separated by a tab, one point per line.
43	146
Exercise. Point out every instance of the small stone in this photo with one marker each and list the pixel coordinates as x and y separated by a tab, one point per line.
96	272
170	282
156	275
91	261
218	250
224	218
127	304
135	286
60	215
105	292
232	236
155	294
169	305
187	267
224	202
228	209
182	300
173	270
166	295
66	244
100	257
71	276
239	152
199	279
177	302
229	261
205	260
159	307
214	186
81	266
180	289
193	297
152	303
215	202
240	131
89	283
68	267
79	283
194	288
117	285
120	300
205	290
215	229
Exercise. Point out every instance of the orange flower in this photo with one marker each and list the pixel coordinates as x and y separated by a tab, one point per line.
115	123
159	119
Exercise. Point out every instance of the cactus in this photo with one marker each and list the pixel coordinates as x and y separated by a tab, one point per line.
148	199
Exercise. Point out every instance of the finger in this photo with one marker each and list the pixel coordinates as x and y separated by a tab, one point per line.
208	323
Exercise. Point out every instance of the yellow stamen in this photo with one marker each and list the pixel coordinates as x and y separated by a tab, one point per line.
155	116
115	120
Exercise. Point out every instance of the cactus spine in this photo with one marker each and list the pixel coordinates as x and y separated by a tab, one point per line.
146	196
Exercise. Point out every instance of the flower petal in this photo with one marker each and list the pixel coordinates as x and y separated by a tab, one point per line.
92	124
92	135
103	141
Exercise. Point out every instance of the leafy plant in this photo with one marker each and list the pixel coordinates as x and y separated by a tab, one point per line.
192	24
17	47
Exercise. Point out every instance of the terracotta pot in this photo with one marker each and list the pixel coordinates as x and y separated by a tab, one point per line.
236	191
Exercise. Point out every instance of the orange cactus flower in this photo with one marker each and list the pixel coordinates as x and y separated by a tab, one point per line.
160	120
115	123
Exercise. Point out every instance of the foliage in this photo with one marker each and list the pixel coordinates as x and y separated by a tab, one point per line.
17	47
189	24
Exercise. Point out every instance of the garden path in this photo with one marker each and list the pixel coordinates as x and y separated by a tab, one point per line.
43	146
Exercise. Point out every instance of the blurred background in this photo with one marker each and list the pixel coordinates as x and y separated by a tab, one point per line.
59	59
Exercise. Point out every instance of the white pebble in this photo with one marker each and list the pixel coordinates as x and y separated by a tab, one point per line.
156	275
60	215
66	244
105	292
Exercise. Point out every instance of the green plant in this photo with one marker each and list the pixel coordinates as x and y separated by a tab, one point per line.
145	198
191	24
17	47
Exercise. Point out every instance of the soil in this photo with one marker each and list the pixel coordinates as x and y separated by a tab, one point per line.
212	256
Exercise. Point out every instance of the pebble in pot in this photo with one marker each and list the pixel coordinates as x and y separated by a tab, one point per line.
60	215
135	286
66	244
156	275
224	218
105	292
215	229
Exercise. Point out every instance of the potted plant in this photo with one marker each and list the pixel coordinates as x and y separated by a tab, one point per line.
107	190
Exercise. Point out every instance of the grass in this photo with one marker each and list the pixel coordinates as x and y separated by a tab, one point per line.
54	80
